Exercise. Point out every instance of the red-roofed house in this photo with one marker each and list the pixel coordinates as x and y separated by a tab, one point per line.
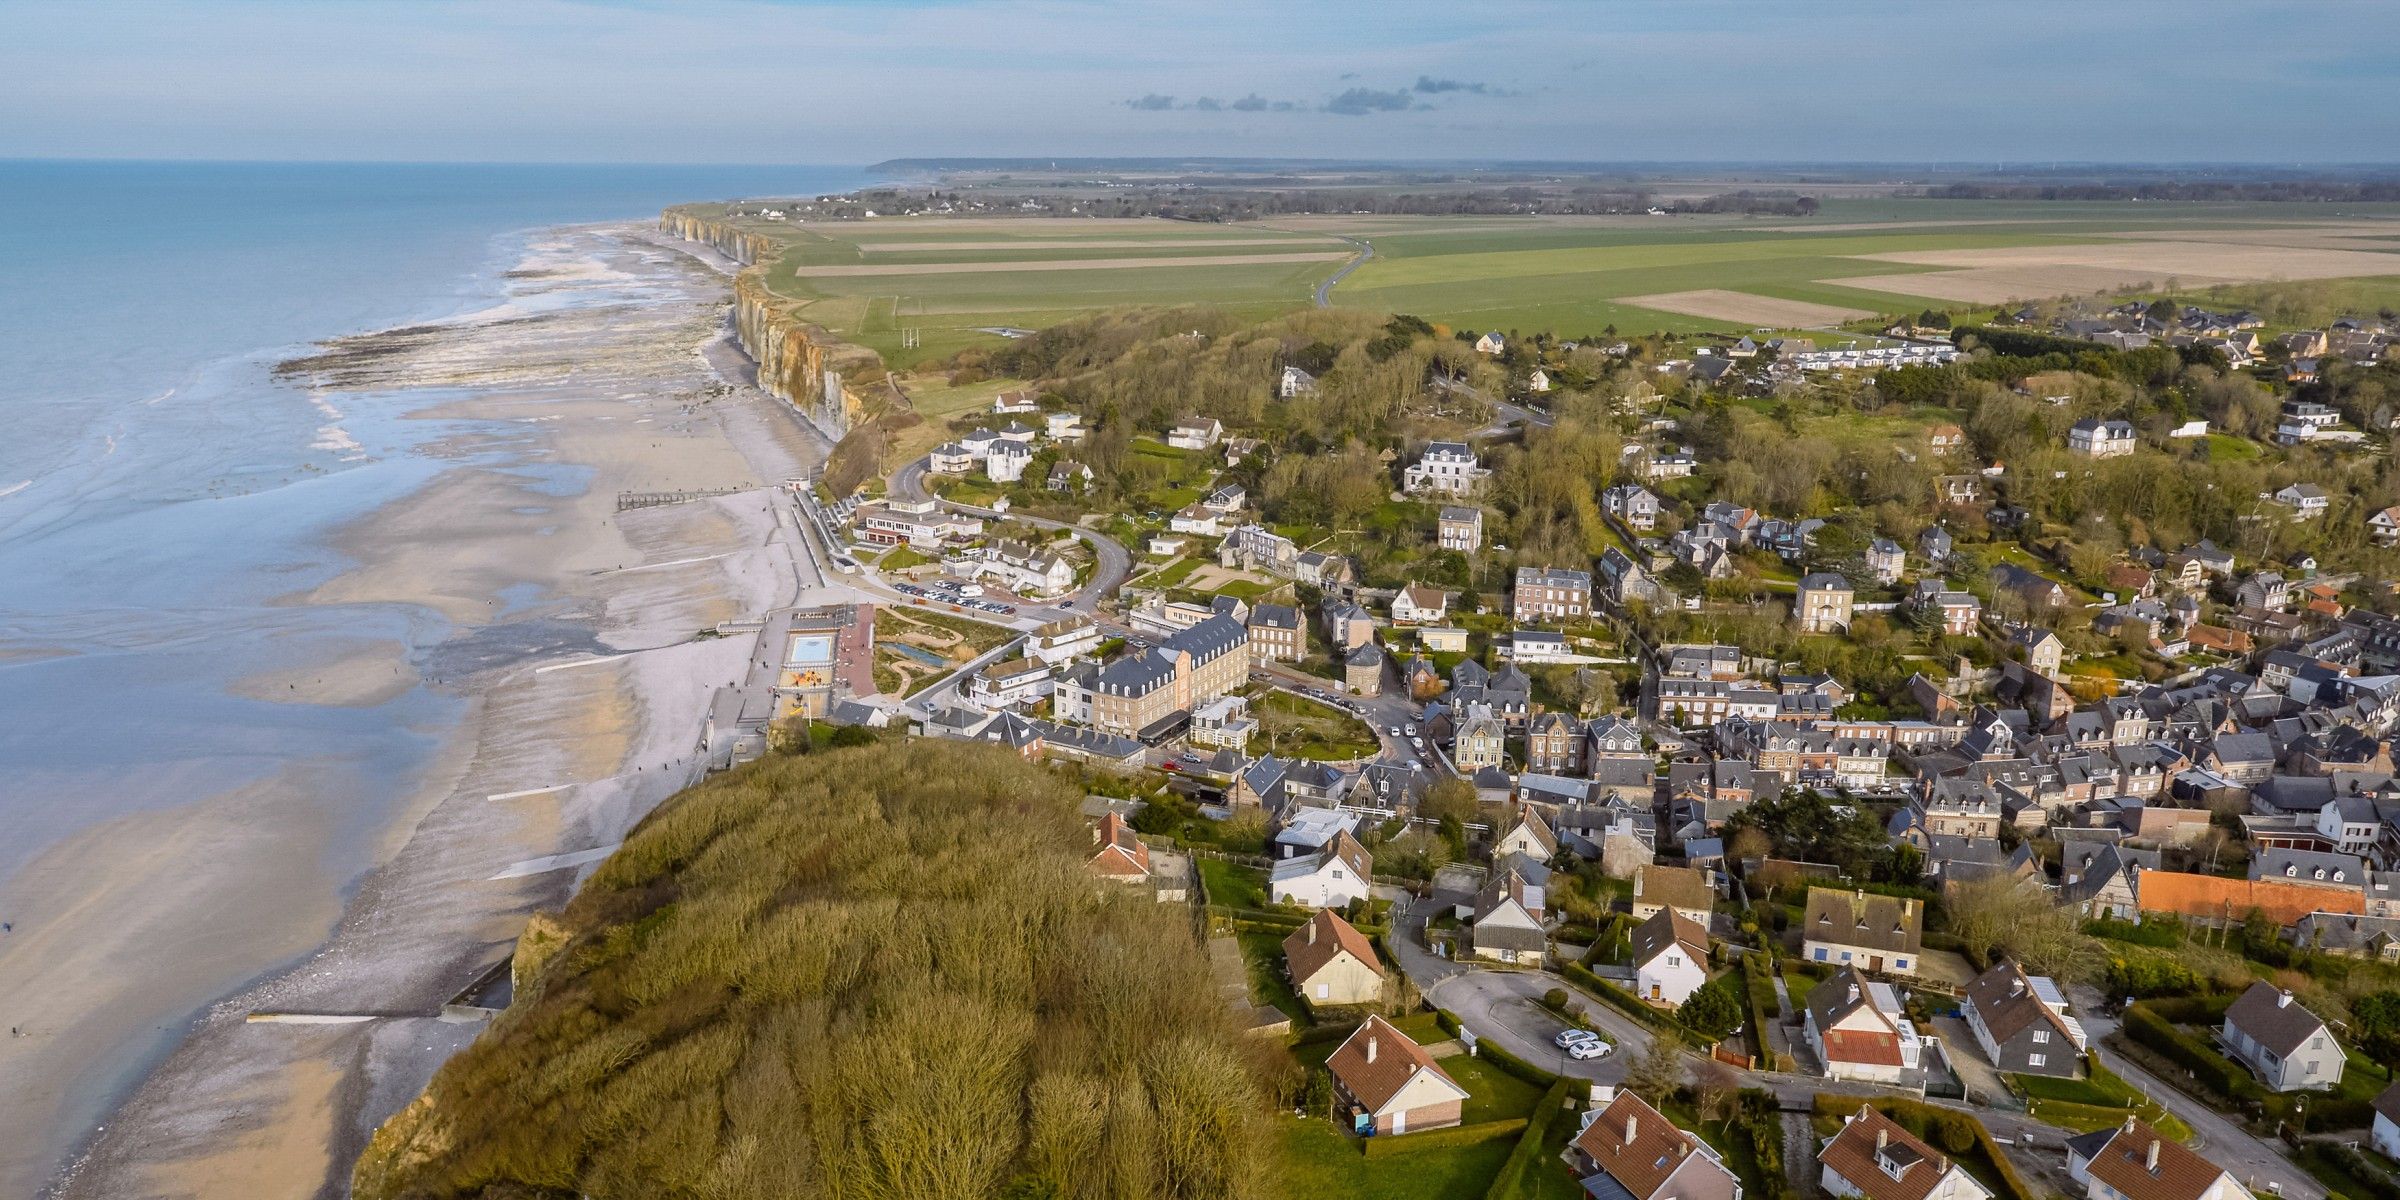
1388	1084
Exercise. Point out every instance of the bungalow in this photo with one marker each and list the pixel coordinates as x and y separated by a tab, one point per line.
1331	878
1858	1030
1195	434
1330	962
1627	1151
1389	1085
1670	957
1873	1157
1018	400
1197	519
2282	1043
2306	500
2022	1024
1416	604
1535	646
2384	526
2136	1162
1879	933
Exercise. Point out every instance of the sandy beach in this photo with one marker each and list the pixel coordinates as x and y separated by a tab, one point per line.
573	636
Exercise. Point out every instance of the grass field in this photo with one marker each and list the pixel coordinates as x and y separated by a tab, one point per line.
950	281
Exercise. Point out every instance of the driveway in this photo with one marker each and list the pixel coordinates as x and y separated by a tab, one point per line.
1504	1007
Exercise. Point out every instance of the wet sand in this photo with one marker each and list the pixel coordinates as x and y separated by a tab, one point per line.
572	631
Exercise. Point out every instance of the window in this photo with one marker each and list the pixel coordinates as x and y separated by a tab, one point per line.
1674	960
1820	954
1899	964
2033	1060
2312	1067
1845	956
2041	1037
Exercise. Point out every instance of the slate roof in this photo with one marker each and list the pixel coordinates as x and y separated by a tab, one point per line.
1892	924
2007	1001
1665	928
2275	1020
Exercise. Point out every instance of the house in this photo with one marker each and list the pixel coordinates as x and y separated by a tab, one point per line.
2136	1162
2095	438
1956	610
1492	344
1020	567
1459	528
1067	475
1548	594
1670	463
1876	932
2384	526
1362	670
1535	646
1195	434
1443	639
1331	963
1347	625
2022	1024
2386	1131
1019	400
1063	639
1063	426
1627	1151
1873	1157
1823	603
949	458
1197	519
1010	683
1479	740
1538	383
1224	722
1886	560
1858	1029
1687	890
1277	634
1554	744
1945	438
2042	649
1633	504
1018	432
1528	835
1121	854
1331	878
1670	957
1389	1085
1416	604
1505	922
1007	462
2306	500
1293	383
1934	545
1447	468
2037	593
2282	1043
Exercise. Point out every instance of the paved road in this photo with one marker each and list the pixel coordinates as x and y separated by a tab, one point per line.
1114	562
2256	1161
1325	289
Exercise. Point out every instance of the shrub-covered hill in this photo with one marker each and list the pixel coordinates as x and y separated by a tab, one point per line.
877	972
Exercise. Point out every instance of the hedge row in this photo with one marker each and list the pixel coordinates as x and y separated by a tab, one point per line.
1762	1122
2149	1027
1618	998
1386	1145
1529	1147
1758	981
2366	1179
1938	1126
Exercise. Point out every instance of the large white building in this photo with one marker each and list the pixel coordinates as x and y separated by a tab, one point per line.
1450	468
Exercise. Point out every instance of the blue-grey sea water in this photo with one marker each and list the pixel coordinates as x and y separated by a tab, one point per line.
159	489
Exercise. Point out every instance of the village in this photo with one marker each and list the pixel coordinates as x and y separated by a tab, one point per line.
2084	888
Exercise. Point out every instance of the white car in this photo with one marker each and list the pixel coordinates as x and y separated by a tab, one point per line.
1412	731
1393	730
1572	1037
1586	1051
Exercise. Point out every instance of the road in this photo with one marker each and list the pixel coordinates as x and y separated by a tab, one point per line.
1114	564
1325	288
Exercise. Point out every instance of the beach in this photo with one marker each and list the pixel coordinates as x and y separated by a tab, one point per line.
578	646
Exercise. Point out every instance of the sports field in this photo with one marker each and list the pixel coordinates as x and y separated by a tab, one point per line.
949	282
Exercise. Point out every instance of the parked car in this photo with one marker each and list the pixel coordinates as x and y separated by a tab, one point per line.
1586	1051
1571	1037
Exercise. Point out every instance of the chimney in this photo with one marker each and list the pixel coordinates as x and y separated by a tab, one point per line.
2281	999
1312	933
1853	993
1883	1137
2150	1160
2016	986
1370	1047
1633	1125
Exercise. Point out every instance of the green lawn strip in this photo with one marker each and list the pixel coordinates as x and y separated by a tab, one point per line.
1493	1094
1295	727
1232	884
1262	953
1313	1161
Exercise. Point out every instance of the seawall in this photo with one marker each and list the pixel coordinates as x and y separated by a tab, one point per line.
799	362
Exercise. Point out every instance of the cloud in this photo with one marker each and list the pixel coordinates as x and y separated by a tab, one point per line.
1359	102
1250	103
1151	103
1207	104
1429	85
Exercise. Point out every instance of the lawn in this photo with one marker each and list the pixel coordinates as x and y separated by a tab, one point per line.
1262	953
1313	1161
1295	727
1233	885
1493	1094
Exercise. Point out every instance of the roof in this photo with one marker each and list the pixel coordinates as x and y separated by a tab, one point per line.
1377	1060
2216	898
1679	887
1882	1160
1121	850
1843	994
2124	1164
1318	942
2269	1015
1892	924
1666	928
2387	1102
1642	1162
2009	1001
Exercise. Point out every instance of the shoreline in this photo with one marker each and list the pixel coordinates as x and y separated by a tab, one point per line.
516	544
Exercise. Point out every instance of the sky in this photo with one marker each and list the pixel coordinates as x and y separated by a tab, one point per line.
762	81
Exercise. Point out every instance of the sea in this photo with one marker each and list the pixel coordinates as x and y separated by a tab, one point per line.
160	490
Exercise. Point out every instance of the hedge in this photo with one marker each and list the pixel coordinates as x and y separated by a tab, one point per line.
2357	1175
2147	1026
1762	1123
1618	998
1918	1118
1759	983
1385	1145
1529	1147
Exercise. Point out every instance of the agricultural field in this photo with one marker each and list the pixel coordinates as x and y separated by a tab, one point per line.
955	283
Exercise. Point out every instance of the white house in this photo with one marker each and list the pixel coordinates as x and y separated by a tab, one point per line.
1670	957
1017	401
1505	921
1197	434
2095	438
1447	467
1007	684
1064	426
1193	518
1492	344
1007	462
2384	526
2306	500
1417	604
2386	1133
1633	504
1295	382
949	458
1331	878
1859	1030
